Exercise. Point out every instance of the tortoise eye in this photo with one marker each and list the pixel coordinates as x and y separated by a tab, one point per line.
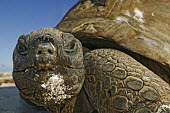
22	49
21	45
70	47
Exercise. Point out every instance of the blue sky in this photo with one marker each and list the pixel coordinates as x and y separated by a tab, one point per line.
19	17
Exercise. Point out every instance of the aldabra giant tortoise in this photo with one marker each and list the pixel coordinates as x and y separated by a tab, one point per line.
51	70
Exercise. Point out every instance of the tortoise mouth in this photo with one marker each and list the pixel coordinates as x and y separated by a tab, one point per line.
46	67
42	73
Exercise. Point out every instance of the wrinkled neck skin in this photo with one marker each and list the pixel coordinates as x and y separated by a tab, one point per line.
67	107
83	103
79	104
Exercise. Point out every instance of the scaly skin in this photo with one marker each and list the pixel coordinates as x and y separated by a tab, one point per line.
49	72
117	83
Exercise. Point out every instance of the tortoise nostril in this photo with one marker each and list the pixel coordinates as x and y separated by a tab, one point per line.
39	52
49	51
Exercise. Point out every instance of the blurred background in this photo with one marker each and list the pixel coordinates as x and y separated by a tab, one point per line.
18	17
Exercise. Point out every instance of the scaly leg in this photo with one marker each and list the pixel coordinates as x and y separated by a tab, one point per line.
117	83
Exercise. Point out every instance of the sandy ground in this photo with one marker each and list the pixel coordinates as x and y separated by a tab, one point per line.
10	101
6	79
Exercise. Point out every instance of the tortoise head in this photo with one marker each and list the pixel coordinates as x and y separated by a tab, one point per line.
48	66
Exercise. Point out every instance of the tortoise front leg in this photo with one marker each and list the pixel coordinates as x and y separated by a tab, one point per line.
117	83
